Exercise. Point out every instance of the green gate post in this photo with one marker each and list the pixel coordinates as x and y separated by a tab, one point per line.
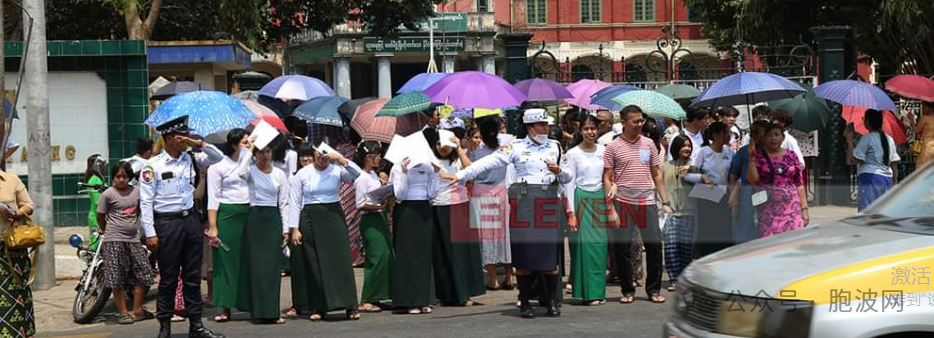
832	65
517	49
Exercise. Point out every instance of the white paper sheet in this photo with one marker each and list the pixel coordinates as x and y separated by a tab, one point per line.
264	133
396	152
380	193
325	149
414	146
704	191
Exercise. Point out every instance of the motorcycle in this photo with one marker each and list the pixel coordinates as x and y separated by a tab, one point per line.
92	295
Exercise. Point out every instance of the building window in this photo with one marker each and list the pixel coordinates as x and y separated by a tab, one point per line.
536	12
483	6
644	10
590	11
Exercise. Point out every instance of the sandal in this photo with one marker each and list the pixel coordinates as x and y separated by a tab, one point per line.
492	288
509	286
426	309
315	317
177	319
291	312
222	318
415	311
369	308
657	298
627	299
595	302
353	314
671	287
125	318
143	316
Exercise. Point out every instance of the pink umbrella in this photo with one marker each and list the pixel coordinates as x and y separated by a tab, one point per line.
265	114
373	128
582	91
912	86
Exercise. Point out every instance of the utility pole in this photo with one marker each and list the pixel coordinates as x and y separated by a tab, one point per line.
3	133
37	121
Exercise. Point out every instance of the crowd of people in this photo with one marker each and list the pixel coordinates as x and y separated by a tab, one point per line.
238	214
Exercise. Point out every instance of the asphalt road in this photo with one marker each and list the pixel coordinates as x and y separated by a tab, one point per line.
497	317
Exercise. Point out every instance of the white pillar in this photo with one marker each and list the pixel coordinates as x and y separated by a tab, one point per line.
488	62
342	76
448	63
384	71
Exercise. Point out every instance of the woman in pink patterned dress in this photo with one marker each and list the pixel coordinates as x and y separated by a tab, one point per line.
780	173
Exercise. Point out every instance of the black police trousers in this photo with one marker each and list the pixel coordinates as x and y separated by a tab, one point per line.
180	251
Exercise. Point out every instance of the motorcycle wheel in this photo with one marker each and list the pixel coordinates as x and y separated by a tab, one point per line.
90	299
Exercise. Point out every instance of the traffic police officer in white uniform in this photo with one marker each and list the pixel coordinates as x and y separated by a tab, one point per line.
171	225
535	229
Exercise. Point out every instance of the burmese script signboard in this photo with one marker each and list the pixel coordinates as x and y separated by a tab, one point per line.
412	44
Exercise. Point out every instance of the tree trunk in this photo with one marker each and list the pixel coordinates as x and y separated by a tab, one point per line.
137	28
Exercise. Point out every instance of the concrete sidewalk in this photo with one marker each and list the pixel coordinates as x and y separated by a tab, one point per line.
53	307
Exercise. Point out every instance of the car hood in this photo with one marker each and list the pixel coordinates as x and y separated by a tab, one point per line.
769	264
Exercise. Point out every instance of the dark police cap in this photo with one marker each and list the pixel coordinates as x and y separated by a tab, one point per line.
177	125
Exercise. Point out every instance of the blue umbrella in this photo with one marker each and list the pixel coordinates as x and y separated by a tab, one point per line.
312	86
603	96
421	82
855	93
747	88
208	112
321	110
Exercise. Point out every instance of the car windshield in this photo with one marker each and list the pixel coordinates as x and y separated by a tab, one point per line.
913	198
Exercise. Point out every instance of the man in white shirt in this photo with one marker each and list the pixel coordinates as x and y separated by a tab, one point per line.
693	128
605	128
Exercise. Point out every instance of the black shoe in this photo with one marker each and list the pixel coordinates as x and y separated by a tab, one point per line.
197	330
548	295
165	328
525	307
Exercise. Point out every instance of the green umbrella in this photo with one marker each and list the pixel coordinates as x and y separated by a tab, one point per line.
678	91
808	111
403	104
652	103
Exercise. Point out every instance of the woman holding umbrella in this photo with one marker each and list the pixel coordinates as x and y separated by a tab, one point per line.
875	158
535	232
315	212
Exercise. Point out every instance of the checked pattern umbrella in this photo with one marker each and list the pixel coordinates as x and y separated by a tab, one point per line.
407	103
374	128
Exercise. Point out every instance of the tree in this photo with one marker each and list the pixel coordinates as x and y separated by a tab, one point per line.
140	18
379	17
897	34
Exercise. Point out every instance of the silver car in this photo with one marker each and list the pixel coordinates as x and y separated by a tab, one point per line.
863	276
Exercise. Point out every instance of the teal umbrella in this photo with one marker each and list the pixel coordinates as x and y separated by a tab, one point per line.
678	91
808	111
407	103
653	103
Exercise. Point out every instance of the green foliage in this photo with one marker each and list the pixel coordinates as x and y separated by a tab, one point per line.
897	34
81	20
381	17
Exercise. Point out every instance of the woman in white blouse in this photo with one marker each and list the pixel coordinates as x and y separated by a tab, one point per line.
415	185
324	256
228	205
305	154
713	228
262	249
456	258
374	228
588	241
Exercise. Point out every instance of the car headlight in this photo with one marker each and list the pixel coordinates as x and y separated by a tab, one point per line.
767	318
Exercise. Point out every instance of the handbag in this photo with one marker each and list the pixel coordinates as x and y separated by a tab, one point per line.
917	147
23	234
762	196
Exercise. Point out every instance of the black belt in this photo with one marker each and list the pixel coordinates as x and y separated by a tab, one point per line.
175	214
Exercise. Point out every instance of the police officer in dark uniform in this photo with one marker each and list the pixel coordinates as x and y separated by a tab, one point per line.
171	225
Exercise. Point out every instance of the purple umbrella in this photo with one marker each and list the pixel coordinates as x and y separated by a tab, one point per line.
542	90
747	88
420	82
855	93
312	87
465	90
583	90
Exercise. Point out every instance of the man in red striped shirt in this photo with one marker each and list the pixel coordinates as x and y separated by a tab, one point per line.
632	176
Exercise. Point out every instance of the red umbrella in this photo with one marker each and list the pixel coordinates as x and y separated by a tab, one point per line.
371	127
912	86
263	113
890	124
